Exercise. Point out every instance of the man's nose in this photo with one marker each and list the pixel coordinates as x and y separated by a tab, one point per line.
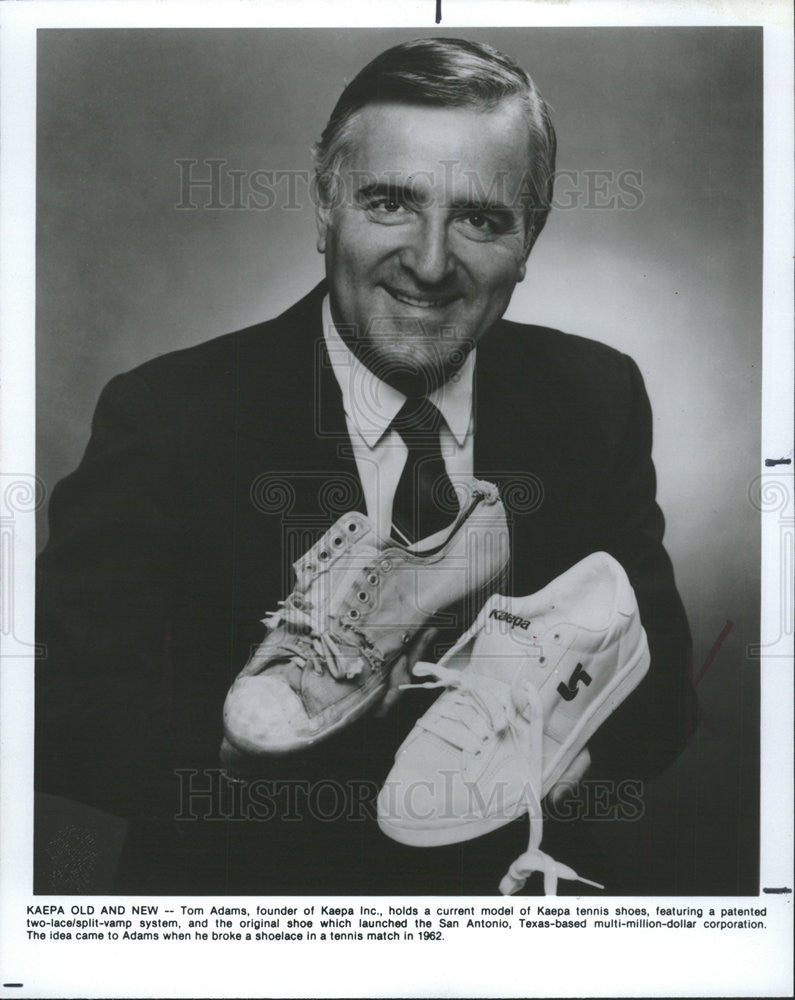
428	255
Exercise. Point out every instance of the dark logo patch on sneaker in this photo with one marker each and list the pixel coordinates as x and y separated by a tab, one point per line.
569	691
515	621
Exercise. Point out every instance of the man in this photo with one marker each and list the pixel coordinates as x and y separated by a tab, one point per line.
211	470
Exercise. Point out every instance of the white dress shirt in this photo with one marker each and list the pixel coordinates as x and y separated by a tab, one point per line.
379	451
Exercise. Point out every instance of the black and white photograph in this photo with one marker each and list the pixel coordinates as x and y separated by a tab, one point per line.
399	484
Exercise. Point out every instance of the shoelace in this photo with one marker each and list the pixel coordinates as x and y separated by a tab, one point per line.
485	704
311	647
502	719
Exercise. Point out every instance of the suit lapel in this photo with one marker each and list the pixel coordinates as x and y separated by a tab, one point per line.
510	431
289	403
499	422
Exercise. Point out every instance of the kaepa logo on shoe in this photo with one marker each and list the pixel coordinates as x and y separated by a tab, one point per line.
513	620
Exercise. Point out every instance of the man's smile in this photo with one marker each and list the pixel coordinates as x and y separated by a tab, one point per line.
418	300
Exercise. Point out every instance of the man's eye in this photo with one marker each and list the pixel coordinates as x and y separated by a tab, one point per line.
481	225
387	209
386	203
478	220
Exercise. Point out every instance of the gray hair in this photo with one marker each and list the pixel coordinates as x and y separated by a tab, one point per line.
443	72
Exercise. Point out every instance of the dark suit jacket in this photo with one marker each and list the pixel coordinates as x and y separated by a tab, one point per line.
208	471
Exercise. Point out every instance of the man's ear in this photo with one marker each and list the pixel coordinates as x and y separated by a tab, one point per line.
522	266
528	246
322	216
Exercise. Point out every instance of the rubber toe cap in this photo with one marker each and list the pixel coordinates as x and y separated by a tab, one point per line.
263	715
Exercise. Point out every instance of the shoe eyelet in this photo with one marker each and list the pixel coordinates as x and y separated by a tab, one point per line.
362	596
297	602
557	636
352	526
337	541
323	555
353	613
386	565
372	579
542	659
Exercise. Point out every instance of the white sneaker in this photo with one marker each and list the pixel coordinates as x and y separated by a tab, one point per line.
358	602
528	685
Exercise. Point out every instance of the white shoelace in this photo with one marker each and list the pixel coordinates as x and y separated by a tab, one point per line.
501	719
312	647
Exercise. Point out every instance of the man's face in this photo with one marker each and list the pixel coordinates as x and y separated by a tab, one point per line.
428	240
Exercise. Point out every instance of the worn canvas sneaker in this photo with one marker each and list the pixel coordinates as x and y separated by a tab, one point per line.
358	603
527	686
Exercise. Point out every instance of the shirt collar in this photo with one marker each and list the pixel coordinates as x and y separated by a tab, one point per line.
372	404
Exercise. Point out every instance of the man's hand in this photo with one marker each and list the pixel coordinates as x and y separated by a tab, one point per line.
566	785
401	671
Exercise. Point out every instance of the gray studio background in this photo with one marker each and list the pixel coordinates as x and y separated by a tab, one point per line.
123	275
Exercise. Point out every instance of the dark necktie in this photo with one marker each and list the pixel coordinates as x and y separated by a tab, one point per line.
425	501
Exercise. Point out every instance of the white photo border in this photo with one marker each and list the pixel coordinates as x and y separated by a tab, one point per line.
719	964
